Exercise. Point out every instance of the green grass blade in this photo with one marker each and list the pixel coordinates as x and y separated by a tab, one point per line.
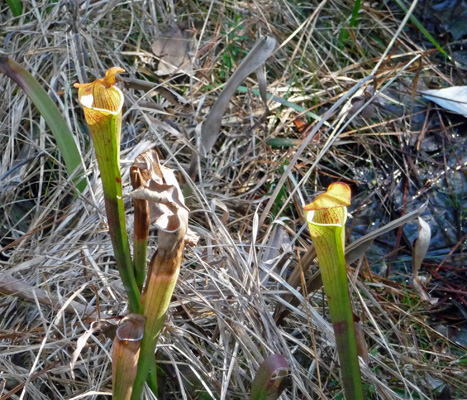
345	35
296	107
422	29
54	119
113	196
356	10
16	7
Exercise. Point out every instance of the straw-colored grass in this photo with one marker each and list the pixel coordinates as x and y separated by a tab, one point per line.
221	324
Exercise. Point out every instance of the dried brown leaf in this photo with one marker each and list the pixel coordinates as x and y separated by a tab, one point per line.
22	290
452	98
362	348
173	47
421	292
166	203
420	248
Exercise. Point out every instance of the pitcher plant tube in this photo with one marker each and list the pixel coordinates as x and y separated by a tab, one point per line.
125	355
170	216
271	378
102	102
326	217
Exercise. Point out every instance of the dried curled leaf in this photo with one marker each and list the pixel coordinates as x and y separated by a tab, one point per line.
420	248
141	168
421	244
171	218
421	292
162	191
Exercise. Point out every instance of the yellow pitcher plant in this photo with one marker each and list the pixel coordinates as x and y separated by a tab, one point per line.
326	217
102	102
156	192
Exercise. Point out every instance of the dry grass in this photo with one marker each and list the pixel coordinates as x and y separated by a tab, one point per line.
221	322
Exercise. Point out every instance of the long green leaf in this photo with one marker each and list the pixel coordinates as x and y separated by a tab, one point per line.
54	119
